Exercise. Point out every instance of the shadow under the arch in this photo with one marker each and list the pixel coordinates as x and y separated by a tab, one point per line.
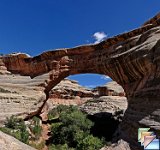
105	125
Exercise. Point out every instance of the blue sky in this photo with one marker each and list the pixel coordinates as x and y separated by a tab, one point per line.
34	26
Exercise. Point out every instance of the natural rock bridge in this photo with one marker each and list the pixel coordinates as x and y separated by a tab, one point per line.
131	59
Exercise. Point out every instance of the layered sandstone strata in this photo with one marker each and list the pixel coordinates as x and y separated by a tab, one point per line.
69	89
23	96
110	89
108	104
20	96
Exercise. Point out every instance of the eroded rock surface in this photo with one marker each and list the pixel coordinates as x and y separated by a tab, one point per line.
20	95
121	145
110	89
108	104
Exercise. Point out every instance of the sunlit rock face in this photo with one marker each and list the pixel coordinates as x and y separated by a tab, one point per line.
111	89
131	59
19	95
70	89
23	96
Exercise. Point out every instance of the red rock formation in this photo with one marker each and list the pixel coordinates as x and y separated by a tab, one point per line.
131	59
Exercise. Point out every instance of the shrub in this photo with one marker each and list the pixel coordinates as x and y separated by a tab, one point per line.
6	130
38	146
36	128
4	90
24	133
89	142
60	147
53	114
17	128
12	122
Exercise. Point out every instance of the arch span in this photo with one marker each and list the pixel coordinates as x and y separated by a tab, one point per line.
131	59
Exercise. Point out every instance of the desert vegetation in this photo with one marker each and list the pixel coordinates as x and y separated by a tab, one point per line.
29	134
17	128
69	130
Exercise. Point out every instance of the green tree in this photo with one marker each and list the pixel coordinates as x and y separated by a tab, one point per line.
73	130
72	121
60	147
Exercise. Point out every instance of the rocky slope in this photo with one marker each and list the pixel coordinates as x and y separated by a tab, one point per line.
131	59
10	143
20	95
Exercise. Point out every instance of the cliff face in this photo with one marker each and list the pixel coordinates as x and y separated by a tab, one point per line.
20	95
131	59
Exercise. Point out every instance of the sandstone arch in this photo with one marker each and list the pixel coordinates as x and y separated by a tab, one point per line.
131	59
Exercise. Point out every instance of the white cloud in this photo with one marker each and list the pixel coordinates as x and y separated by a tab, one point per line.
105	77
99	36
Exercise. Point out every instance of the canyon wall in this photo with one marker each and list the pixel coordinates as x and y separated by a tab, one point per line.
131	59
